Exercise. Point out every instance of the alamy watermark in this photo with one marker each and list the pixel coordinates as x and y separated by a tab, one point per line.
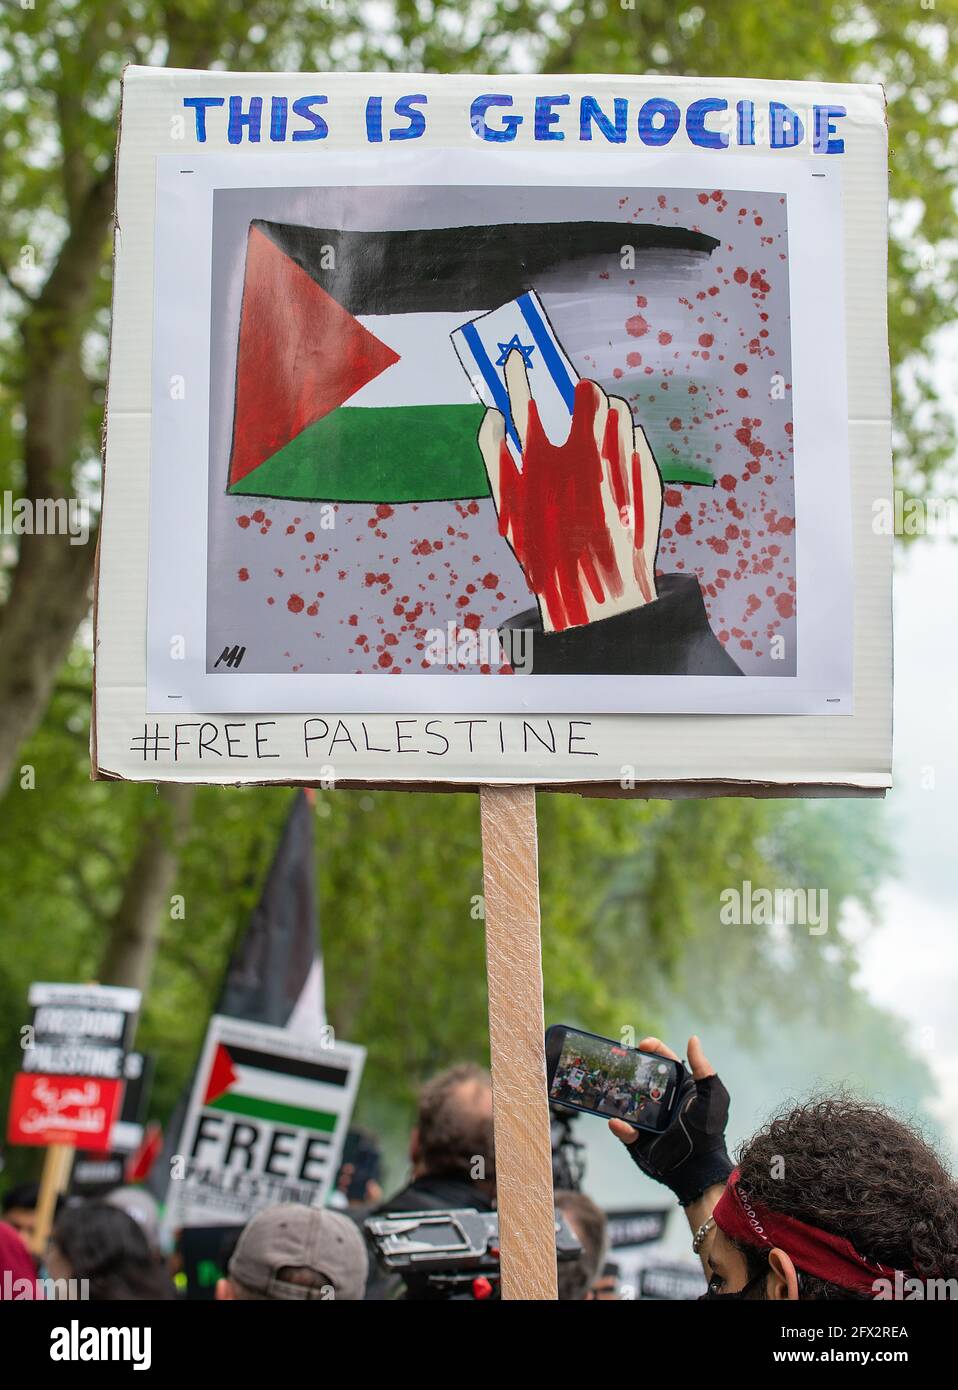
14	1289
747	906
478	646
906	1288
901	515
45	516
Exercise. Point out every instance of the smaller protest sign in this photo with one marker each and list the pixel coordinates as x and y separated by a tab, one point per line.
266	1123
635	1226
95	1175
672	1281
80	1030
77	1110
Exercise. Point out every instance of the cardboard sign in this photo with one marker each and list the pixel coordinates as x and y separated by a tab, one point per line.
95	1176
635	1226
75	1065
266	1123
82	1030
671	1281
562	409
75	1110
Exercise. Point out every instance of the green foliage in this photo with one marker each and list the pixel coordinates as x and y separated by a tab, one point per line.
630	908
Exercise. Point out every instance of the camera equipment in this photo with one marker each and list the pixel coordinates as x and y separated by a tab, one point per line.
456	1253
568	1153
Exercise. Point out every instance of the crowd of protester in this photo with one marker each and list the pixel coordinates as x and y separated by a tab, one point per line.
835	1198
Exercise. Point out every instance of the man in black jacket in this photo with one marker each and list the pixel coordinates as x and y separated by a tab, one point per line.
451	1147
451	1151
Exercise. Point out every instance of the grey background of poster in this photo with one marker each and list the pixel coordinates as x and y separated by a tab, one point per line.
330	574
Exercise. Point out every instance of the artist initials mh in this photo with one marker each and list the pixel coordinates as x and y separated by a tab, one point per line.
232	656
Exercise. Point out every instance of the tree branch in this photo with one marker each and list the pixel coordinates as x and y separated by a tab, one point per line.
24	295
133	932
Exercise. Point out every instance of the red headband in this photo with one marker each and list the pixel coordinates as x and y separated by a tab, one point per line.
816	1252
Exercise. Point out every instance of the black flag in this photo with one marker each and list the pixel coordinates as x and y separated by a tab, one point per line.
276	972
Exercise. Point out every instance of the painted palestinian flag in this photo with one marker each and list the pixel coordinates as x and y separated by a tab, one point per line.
348	387
284	1091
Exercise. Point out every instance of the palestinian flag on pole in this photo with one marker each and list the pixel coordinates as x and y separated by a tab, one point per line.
347	385
275	974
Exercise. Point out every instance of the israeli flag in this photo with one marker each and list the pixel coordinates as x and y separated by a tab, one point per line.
483	346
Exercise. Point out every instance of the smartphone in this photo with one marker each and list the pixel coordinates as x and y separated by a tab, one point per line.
601	1077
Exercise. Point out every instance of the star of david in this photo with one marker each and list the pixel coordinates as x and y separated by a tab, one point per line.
513	345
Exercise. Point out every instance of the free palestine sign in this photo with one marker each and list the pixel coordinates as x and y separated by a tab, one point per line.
464	433
266	1123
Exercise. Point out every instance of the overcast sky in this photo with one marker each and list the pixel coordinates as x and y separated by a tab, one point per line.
910	963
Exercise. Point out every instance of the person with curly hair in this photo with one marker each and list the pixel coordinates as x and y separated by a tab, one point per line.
835	1198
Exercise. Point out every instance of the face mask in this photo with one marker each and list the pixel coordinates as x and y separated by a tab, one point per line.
745	1292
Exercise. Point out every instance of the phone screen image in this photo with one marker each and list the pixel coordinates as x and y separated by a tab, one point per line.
598	1075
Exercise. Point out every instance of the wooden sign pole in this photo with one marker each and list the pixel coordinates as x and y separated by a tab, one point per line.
57	1166
510	874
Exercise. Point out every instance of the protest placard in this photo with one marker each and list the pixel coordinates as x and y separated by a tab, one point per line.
299	507
266	1123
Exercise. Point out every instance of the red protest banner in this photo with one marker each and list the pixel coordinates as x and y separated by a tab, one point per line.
63	1110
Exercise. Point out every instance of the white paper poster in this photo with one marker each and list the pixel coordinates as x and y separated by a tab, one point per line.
266	1124
568	411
